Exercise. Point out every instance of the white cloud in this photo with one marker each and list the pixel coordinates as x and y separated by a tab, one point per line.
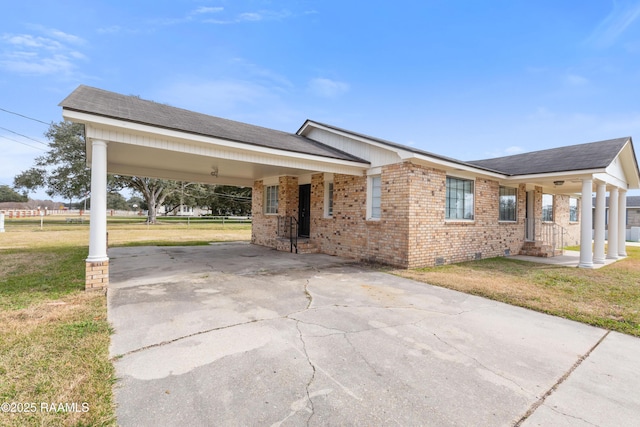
204	10
250	16
259	16
576	80
514	149
623	15
112	29
327	88
40	55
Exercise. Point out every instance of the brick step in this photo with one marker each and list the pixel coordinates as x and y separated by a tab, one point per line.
538	249
305	246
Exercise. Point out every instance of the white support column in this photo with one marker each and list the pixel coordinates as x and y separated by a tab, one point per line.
98	224
97	272
598	235
612	241
586	253
622	223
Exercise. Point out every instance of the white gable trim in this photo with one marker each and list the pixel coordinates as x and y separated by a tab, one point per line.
110	129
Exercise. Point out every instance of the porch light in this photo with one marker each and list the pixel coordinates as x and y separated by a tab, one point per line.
558	183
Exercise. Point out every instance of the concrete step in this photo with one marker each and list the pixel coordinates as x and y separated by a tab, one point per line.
305	245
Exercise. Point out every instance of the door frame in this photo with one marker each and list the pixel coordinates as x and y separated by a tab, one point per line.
304	210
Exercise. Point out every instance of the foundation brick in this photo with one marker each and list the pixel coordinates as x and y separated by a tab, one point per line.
412	231
96	275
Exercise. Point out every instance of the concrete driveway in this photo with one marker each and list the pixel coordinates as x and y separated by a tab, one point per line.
241	335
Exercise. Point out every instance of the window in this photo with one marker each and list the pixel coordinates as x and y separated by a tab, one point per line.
328	199
508	203
459	203
547	207
271	199
573	209
376	193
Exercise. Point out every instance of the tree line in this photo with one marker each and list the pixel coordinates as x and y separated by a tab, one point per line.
62	171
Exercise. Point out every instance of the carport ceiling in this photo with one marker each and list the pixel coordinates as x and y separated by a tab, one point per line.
124	159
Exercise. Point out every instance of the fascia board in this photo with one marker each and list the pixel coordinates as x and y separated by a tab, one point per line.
349	135
582	174
86	118
452	166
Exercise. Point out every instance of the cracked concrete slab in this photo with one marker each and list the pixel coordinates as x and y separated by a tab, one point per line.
236	334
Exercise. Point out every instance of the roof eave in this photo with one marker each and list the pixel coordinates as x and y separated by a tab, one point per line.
102	120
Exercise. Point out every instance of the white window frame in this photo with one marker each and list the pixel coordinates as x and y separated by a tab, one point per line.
577	209
270	209
464	200
374	213
553	200
328	199
515	208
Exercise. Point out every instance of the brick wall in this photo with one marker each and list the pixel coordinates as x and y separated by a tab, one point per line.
435	240
263	227
412	231
561	209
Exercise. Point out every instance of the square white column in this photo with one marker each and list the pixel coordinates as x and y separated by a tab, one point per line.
612	246
599	224
98	216
622	223
586	253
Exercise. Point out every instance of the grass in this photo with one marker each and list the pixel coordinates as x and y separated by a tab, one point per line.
54	336
608	297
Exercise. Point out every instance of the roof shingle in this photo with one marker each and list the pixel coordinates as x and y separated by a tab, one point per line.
133	109
593	155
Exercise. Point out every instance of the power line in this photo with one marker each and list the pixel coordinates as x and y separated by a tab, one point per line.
24	136
231	196
22	115
23	143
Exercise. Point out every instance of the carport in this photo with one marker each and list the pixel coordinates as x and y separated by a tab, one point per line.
235	334
126	135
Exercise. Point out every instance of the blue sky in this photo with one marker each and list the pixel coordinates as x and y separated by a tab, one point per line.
465	79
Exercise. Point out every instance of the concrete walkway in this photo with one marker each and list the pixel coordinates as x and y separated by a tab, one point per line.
235	334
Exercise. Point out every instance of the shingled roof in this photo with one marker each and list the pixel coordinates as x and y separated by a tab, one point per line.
133	109
632	202
593	155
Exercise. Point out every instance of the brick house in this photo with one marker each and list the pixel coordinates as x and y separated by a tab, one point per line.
334	191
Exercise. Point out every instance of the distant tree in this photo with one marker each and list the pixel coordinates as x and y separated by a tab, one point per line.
137	203
8	194
116	201
62	171
184	194
224	199
154	191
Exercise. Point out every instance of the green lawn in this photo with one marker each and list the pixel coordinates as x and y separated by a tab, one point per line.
54	336
608	297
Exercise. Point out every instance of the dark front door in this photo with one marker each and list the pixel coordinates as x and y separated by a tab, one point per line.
304	207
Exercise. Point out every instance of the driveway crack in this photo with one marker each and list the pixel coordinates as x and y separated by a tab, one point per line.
562	379
171	341
313	370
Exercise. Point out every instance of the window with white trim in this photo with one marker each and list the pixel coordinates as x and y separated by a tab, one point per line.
508	203
459	198
328	199
271	199
547	207
573	209
376	193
